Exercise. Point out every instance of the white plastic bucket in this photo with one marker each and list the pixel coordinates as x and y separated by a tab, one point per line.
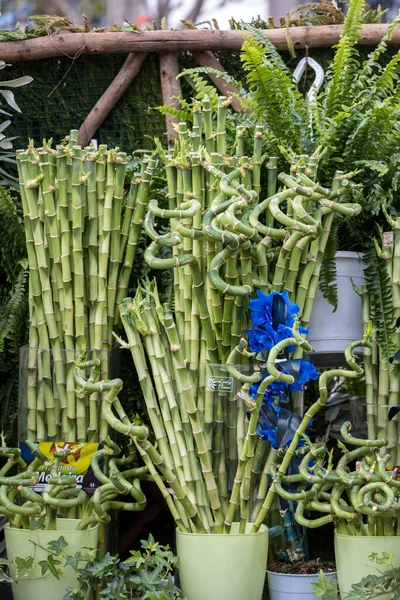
283	586
332	331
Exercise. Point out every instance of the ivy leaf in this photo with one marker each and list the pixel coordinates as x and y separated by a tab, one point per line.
325	588
23	566
57	546
37	522
103	567
115	589
355	595
73	594
385	559
51	565
74	561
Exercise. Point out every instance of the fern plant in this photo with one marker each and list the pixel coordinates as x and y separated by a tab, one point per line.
13	304
353	125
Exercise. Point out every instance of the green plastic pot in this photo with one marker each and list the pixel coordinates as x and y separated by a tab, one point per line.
352	562
223	566
35	586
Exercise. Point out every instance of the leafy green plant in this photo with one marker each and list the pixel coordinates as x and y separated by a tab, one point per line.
373	586
145	575
353	124
56	560
6	154
13	304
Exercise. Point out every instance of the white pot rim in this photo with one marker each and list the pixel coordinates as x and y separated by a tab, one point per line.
348	254
300	574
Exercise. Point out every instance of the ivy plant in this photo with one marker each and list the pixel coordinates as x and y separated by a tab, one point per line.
375	585
146	574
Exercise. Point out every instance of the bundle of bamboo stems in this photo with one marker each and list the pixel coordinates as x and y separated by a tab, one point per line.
81	233
380	297
225	243
190	474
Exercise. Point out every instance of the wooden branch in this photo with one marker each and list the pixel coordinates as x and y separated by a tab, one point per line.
73	44
109	99
170	87
208	59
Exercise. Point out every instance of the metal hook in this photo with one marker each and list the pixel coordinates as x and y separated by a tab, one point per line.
319	76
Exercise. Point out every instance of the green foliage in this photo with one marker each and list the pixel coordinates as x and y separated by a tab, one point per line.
4	578
6	143
145	575
384	582
381	308
23	566
13	302
12	248
355	120
345	63
327	280
325	588
275	99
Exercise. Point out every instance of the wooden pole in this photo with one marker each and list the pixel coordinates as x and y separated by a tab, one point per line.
208	59
171	90
109	99
69	44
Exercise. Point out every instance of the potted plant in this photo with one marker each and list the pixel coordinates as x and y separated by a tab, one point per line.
217	244
81	230
373	586
189	516
360	138
286	581
63	518
362	503
146	574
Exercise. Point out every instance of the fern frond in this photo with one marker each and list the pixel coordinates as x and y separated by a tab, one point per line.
328	274
226	77
182	114
10	312
271	52
201	86
372	135
276	100
381	303
12	247
340	75
368	76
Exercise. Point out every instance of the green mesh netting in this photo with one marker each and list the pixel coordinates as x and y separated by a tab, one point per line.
64	91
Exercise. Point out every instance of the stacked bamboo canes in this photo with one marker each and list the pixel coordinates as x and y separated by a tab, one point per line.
225	243
381	306
81	233
197	494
